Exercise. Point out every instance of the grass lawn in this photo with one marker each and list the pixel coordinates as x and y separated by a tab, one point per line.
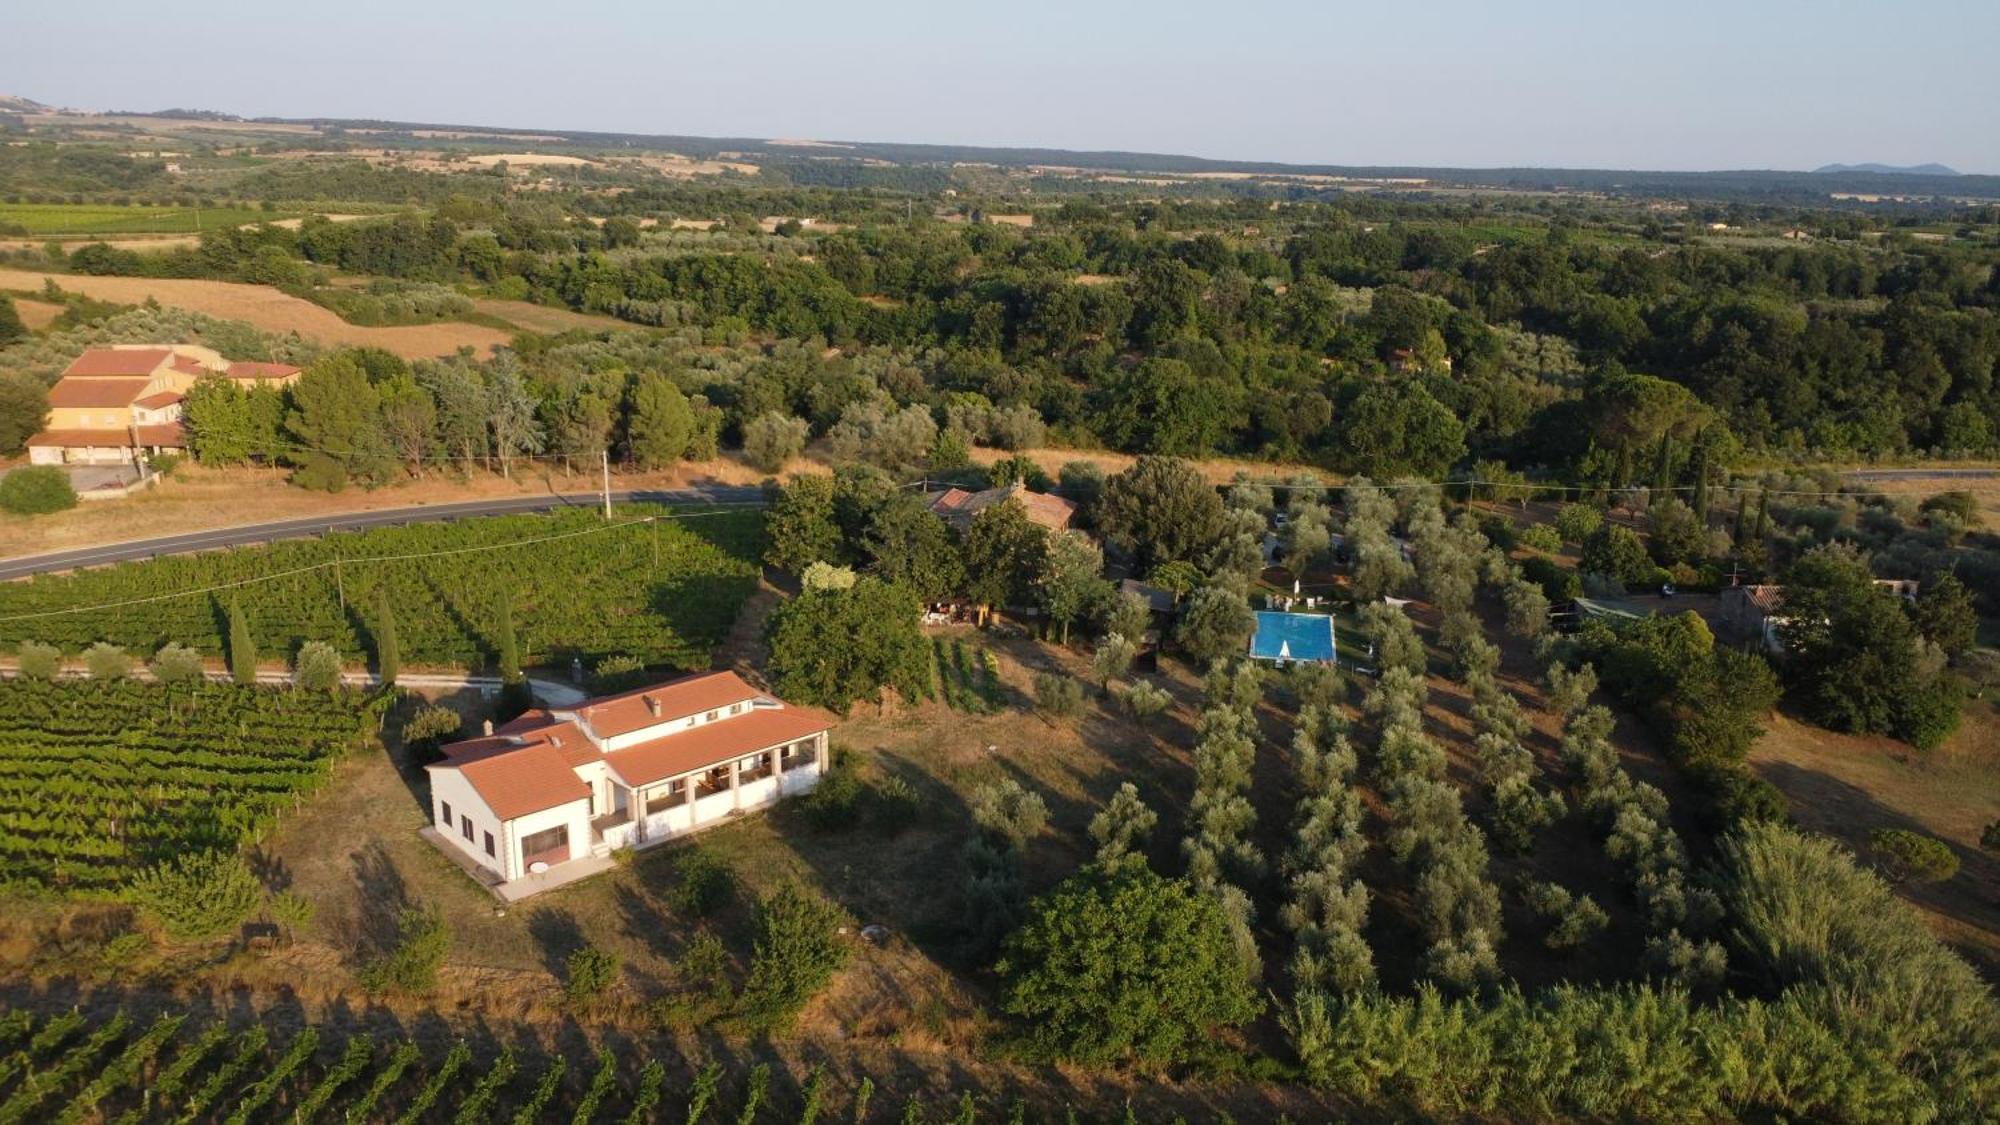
102	218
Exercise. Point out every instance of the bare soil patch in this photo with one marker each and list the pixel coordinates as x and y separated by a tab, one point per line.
270	310
37	315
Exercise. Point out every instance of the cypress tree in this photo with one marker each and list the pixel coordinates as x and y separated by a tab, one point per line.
1742	531
510	653
242	649
1763	514
1663	464
1701	485
388	654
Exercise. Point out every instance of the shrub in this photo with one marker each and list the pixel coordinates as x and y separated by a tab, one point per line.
36	490
1010	811
896	805
38	661
317	667
197	895
1143	700
422	940
428	729
1576	522
1912	856
591	972
1058	696
291	910
835	803
1989	837
177	664
107	661
797	951
616	674
702	884
1541	537
771	439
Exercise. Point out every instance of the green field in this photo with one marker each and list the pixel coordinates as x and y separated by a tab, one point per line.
666	592
42	219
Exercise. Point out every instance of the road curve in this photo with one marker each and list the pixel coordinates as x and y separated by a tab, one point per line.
319	525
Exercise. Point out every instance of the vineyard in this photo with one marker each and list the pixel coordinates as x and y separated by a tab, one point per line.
658	584
68	1068
97	780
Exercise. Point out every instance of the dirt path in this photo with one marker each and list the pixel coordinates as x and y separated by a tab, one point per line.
270	310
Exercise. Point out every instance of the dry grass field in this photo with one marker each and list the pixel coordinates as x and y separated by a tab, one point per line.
37	315
268	309
1847	786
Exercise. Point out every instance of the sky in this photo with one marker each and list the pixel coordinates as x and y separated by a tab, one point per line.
1459	83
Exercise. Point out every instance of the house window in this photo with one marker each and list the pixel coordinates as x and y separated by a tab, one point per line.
445	819
550	845
489	845
736	708
711	716
465	827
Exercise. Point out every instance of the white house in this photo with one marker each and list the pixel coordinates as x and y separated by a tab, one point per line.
565	785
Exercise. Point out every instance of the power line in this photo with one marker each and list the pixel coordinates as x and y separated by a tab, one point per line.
365	559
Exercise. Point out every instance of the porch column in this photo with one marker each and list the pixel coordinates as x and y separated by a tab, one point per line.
819	752
687	796
736	784
776	756
638	815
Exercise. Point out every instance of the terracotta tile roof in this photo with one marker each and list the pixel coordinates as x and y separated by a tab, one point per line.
614	715
529	763
1052	512
119	361
155	401
517	780
167	434
715	743
188	365
1766	598
95	390
250	369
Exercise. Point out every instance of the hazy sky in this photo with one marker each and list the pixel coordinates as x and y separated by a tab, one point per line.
1580	83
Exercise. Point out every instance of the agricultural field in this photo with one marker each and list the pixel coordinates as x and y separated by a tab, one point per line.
269	310
60	219
660	584
966	677
100	779
179	1067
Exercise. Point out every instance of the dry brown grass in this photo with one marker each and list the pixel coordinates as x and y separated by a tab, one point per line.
270	310
1847	786
546	319
37	315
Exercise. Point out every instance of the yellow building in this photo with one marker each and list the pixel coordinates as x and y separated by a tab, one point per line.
118	402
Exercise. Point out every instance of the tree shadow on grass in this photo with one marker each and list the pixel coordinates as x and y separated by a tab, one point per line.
558	934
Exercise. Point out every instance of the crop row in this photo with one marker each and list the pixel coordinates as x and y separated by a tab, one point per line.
666	591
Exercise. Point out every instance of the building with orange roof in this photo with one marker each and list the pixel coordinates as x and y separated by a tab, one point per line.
570	785
958	507
118	402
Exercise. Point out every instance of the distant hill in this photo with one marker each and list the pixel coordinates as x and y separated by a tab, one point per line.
1891	169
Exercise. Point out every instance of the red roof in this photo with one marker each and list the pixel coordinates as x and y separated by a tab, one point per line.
517	780
94	391
156	401
119	361
677	699
714	743
1052	512
529	763
167	435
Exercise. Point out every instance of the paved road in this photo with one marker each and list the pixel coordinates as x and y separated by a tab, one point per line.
319	525
1920	474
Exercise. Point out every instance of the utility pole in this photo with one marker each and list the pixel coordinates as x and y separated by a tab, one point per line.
604	460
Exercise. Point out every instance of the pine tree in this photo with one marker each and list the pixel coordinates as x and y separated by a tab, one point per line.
242	649
388	654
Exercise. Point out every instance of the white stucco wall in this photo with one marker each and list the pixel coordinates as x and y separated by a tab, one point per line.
575	814
448	786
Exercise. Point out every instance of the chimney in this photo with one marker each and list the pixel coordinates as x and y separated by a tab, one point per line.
489	728
652	706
